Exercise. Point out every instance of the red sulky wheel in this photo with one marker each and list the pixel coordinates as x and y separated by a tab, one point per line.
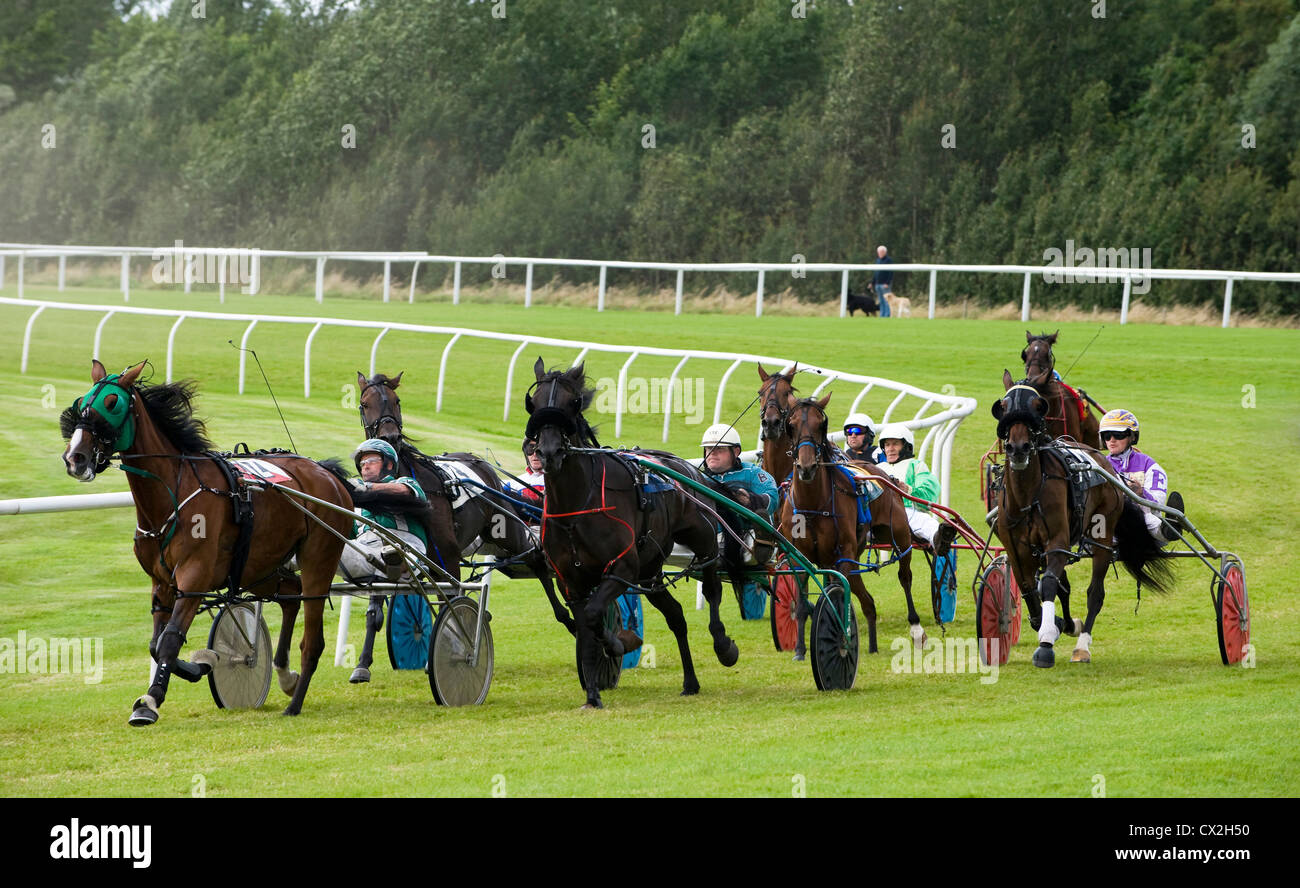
997	613
785	597
1232	609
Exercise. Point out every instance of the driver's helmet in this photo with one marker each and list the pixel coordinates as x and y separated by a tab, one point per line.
861	420
900	432
720	434
1120	421
383	448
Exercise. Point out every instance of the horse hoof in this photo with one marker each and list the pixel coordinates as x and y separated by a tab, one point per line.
360	675
142	717
631	641
798	658
690	690
1035	622
1078	627
593	706
1044	657
1081	655
727	652
291	711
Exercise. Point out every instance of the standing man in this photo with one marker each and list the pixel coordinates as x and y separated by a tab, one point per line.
883	280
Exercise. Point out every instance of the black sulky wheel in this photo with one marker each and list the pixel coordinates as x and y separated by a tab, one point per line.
781	615
241	678
997	613
834	655
608	667
1232	612
456	677
409	627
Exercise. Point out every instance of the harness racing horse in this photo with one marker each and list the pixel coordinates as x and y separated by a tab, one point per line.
820	516
1063	418
179	489
1034	522
601	535
777	392
487	518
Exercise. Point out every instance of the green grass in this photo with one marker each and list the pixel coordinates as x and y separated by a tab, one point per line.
1155	713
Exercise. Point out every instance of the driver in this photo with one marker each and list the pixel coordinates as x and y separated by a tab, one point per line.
859	439
753	488
376	461
1143	475
915	478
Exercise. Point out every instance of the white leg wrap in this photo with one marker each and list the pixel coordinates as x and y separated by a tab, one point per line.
1047	631
1085	642
288	679
149	701
918	635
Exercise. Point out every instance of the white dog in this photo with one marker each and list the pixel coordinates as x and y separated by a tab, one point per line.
899	306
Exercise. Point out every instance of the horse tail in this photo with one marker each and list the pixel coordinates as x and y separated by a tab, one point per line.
1140	554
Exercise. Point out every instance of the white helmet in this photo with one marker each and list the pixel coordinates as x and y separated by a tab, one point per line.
861	419
896	430
721	433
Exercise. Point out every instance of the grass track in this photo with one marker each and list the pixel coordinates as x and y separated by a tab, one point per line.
1155	714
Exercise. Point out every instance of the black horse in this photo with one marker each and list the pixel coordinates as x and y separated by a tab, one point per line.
603	532
470	511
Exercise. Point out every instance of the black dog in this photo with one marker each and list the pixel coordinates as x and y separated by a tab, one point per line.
864	301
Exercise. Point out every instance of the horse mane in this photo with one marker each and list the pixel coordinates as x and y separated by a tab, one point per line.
169	405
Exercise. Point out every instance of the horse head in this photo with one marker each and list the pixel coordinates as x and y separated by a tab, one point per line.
1021	416
380	408
807	426
99	423
555	403
777	390
1037	354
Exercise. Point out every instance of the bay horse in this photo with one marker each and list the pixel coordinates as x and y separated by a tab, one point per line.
1063	418
777	393
186	534
601	536
1034	522
485	516
820	516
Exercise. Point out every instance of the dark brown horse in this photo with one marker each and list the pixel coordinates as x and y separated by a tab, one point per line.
186	533
820	515
1034	522
602	536
485	518
1063	419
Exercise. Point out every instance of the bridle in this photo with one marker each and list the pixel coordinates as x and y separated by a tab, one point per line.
1038	361
772	401
394	415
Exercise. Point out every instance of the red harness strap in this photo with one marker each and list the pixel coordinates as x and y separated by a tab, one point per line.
604	507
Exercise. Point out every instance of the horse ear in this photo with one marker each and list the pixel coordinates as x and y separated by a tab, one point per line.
395	381
793	371
539	369
128	378
1029	337
824	401
763	374
1052	338
97	371
997	410
361	379
578	373
1007	381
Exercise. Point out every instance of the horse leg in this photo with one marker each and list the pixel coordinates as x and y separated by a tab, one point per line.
537	564
289	607
669	606
374	622
596	636
1067	624
1096	596
723	646
802	610
1049	629
913	618
316	577
868	605
144	711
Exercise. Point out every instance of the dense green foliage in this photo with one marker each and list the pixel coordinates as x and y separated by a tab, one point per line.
953	130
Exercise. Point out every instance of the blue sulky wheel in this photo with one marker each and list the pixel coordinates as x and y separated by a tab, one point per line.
834	655
409	628
241	677
608	667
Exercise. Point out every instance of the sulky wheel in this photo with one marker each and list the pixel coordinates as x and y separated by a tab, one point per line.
241	678
834	655
997	613
608	667
408	630
781	615
1232	609
456	677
